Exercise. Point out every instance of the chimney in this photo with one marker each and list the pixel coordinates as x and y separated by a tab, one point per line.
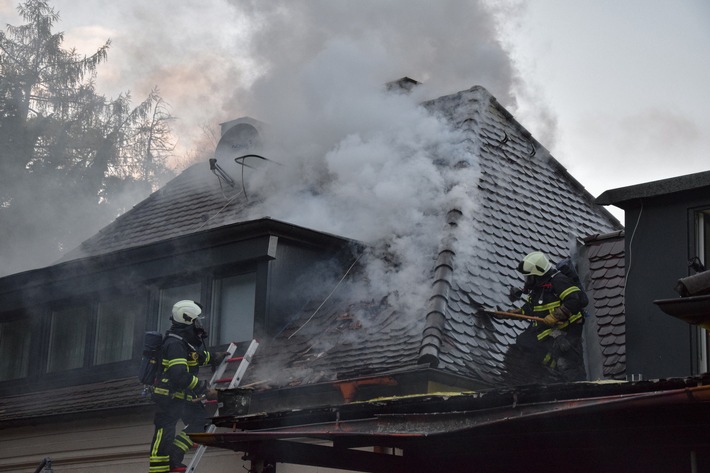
403	85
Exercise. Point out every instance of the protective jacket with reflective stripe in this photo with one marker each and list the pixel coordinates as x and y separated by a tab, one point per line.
551	292
181	365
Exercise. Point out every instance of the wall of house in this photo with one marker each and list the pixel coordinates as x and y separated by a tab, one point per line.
658	246
105	444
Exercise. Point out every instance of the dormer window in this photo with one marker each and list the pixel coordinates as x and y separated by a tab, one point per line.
228	302
234	299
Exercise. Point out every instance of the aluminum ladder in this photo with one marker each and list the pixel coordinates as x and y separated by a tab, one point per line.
234	381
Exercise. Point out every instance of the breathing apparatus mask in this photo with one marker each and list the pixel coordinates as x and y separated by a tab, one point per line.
200	330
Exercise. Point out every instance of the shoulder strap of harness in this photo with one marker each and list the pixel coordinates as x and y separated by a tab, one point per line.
174	335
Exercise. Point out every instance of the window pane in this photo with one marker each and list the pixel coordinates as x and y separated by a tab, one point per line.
67	340
168	298
14	349
114	330
234	309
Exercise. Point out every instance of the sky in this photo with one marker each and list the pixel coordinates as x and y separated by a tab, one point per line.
616	90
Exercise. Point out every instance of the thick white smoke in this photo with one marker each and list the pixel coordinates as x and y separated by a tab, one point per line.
313	70
363	163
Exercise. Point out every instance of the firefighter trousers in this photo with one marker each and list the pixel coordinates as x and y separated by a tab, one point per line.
168	449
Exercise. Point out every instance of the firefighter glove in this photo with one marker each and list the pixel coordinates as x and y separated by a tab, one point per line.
211	394
219	357
514	294
561	313
551	320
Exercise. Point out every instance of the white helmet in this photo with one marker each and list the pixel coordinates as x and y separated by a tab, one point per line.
186	312
534	264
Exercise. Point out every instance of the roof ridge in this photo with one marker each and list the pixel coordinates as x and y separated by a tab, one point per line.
436	307
603	236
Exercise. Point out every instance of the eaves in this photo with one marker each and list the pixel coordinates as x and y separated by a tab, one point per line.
621	196
262	233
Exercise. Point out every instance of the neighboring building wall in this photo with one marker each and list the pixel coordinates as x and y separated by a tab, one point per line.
658	247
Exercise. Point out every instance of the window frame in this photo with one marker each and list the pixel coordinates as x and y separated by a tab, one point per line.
88	335
215	301
137	334
699	245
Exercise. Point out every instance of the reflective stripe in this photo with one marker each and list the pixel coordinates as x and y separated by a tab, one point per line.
547	307
183	442
175	362
569	321
182	395
158	438
194	382
569	291
160	468
176	395
158	463
549	361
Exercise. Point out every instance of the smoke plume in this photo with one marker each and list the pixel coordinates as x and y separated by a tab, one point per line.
314	72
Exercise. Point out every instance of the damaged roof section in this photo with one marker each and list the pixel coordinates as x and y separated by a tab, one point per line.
525	200
336	340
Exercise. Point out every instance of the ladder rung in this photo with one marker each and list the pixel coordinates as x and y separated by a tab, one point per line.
233	382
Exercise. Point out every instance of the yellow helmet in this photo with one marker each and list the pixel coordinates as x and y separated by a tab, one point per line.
534	264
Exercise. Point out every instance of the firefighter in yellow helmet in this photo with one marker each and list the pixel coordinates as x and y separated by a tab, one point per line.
553	296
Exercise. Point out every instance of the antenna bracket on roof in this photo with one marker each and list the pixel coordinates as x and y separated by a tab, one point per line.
220	173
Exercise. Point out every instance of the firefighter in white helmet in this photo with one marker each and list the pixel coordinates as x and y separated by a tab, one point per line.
552	295
179	390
